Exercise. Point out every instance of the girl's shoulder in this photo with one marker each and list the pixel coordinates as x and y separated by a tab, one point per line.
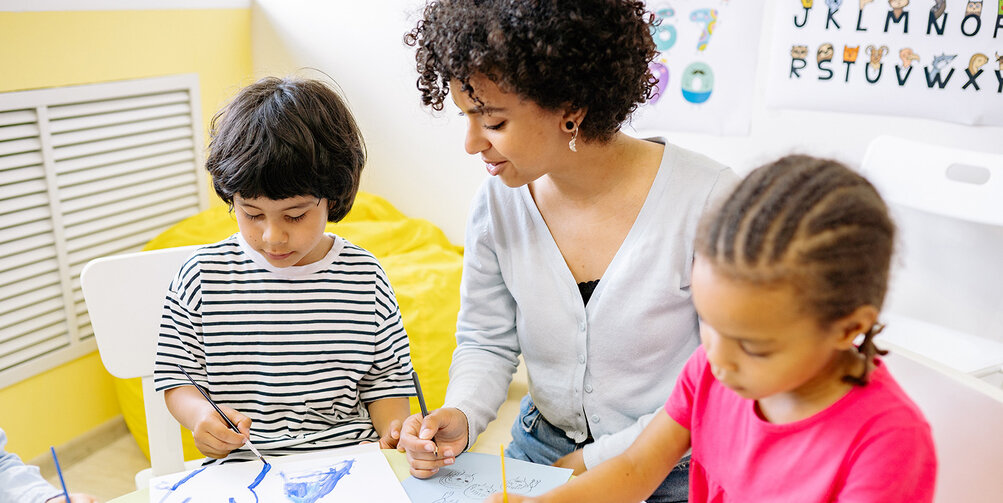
886	402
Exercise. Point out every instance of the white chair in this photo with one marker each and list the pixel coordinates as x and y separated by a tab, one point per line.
125	299
945	305
966	416
945	301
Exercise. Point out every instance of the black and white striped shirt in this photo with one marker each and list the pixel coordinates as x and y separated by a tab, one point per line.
300	350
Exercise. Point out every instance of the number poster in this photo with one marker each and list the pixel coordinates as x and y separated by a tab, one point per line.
705	68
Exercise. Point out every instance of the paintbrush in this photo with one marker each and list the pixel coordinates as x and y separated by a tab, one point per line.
421	403
232	426
66	494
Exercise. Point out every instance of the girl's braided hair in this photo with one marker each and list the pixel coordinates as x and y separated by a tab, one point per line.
812	223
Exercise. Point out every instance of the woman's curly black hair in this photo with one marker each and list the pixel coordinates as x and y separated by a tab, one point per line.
590	54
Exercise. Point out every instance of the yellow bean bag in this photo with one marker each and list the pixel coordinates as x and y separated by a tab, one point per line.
423	268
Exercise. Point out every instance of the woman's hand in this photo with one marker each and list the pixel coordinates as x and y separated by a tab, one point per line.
574	460
433	442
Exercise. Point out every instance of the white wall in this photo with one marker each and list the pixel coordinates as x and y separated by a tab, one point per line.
417	159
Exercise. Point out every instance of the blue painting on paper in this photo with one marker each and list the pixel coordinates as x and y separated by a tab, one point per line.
312	486
357	473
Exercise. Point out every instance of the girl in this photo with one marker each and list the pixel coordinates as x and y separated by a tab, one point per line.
780	404
579	246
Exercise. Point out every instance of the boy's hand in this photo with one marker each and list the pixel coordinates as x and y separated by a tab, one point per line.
392	436
574	460
443	429
74	498
213	437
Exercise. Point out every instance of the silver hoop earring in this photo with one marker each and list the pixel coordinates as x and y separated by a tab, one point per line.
574	136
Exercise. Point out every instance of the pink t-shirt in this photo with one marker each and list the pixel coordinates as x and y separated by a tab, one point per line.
873	445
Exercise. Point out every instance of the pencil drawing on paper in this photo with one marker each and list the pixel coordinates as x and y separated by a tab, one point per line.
464	485
457	479
475	476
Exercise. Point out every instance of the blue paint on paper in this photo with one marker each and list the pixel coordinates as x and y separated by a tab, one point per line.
311	486
186	478
257	480
303	487
178	484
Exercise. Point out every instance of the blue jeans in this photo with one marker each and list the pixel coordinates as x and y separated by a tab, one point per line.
535	439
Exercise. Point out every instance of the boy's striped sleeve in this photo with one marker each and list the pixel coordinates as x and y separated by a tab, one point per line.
180	338
390	374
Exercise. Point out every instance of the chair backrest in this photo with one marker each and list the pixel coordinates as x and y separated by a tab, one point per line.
964	414
948	205
125	300
945	306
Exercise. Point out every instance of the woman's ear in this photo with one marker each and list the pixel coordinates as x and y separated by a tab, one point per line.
854	324
573	117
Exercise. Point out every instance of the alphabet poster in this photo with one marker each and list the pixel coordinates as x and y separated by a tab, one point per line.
940	59
705	68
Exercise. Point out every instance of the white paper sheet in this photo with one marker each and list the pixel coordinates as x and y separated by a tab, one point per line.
359	473
476	476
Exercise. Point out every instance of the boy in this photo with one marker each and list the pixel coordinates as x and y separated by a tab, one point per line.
294	333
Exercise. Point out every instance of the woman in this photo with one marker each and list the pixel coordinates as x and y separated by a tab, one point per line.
579	245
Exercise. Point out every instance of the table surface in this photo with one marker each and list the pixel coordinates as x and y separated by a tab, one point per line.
397	460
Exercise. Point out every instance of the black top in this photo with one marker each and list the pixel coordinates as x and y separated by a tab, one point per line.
587	287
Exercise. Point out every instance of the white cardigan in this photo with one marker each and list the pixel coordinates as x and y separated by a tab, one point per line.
606	368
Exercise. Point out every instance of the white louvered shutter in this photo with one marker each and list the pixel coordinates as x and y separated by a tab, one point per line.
85	172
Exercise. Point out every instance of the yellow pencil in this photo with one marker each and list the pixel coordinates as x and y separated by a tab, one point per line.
501	447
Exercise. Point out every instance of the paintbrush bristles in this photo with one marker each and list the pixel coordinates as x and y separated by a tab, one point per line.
255	451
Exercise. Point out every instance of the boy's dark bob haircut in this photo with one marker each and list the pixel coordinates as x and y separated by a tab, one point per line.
287	137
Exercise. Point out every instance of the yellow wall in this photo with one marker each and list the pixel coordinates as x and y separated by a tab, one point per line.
49	49
53	407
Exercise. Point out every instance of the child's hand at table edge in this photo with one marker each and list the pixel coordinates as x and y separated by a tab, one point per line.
391	438
214	438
